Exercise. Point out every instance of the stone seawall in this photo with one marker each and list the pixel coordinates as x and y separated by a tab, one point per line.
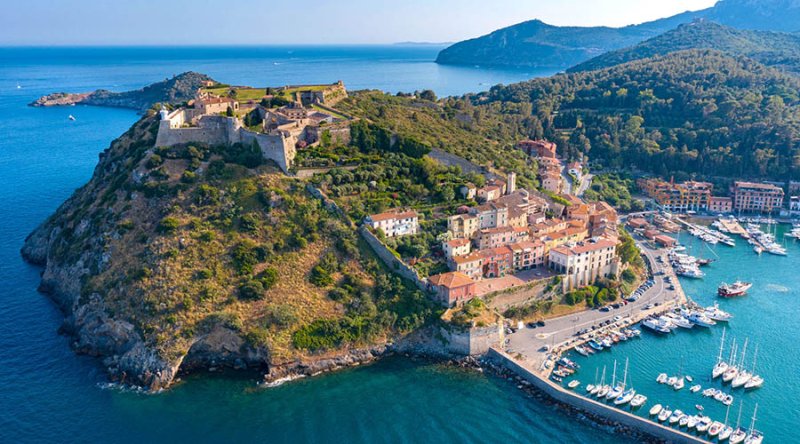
392	261
568	397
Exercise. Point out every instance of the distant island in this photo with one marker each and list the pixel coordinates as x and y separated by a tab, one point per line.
539	45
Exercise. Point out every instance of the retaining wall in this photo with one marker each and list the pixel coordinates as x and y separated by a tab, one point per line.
448	159
562	395
392	261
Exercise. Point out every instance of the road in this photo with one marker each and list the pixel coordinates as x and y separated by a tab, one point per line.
531	342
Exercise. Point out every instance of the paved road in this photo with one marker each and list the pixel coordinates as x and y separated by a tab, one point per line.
531	342
586	181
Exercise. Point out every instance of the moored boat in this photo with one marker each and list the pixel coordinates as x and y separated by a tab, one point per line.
665	414
638	400
738	288
655	410
573	384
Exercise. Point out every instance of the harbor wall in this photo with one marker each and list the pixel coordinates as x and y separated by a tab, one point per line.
568	397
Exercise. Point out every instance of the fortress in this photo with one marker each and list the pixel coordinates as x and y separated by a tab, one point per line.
278	132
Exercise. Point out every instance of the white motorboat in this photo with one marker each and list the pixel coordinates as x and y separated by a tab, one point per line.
700	319
662	378
704	424
676	416
655	410
573	384
679	384
672	380
695	388
692	421
714	313
638	400
679	321
715	428
589	388
665	414
684	421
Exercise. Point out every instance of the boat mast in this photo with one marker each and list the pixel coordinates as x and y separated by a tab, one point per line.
753	420
603	380
614	375
739	420
625	377
596	374
726	415
721	346
755	358
744	353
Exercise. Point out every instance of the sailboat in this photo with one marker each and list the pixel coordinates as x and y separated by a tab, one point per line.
721	365
755	437
726	431
627	395
755	381
743	376
732	371
680	382
616	389
601	389
739	434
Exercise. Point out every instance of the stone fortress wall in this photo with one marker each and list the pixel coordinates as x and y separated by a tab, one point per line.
223	130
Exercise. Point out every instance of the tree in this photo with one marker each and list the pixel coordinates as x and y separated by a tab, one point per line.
229	112
428	95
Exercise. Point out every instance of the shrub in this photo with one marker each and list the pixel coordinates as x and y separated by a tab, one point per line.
168	225
251	290
268	278
320	277
154	161
628	276
244	257
204	273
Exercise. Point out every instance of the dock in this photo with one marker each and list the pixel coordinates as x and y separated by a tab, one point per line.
732	226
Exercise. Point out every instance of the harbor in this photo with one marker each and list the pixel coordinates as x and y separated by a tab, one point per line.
688	353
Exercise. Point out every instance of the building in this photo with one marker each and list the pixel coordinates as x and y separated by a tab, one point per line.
456	247
500	236
491	215
463	225
538	148
665	241
489	193
637	223
551	181
576	169
394	223
215	105
497	262
749	197
527	255
583	263
568	235
468	191
453	288
471	265
720	204
794	205
511	183
682	197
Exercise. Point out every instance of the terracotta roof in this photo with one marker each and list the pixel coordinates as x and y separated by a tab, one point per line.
472	257
763	186
491	252
585	247
393	215
458	242
216	100
453	279
526	245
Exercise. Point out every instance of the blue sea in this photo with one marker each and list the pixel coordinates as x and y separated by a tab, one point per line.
49	394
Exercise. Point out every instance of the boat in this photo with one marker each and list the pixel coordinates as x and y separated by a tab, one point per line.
589	388
721	366
558	379
758	249
715	428
743	375
71	117
726	430
699	407
714	313
739	434
655	410
754	437
626	397
675	417
603	391
615	388
679	384
573	384
695	388
703	424
653	325
665	414
595	345
638	400
672	380
709	392
678	321
684	420
755	380
689	378
581	350
738	288
692	421
662	378
700	319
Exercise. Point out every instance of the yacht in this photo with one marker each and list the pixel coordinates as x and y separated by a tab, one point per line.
626	397
738	436
655	326
721	366
714	313
730	374
754	437
677	320
738	288
701	320
741	379
754	382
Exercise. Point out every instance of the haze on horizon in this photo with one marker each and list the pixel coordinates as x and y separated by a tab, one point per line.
203	22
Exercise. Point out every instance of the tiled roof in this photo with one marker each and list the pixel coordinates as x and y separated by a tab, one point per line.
393	215
452	279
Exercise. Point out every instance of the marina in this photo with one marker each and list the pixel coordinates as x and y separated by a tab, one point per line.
700	355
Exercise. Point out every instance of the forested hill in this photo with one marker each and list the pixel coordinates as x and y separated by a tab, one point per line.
696	111
780	50
537	44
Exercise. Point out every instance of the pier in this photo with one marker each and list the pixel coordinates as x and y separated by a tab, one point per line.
732	226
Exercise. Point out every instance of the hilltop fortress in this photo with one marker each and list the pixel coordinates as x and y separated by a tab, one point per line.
280	121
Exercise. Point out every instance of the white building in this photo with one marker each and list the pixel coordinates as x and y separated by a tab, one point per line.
394	223
456	247
583	263
794	205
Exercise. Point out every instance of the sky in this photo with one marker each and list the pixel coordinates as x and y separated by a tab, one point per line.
203	22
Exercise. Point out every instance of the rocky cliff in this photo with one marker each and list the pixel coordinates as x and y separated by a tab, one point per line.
174	91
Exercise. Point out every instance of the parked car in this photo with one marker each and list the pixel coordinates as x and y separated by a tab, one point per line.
541	323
